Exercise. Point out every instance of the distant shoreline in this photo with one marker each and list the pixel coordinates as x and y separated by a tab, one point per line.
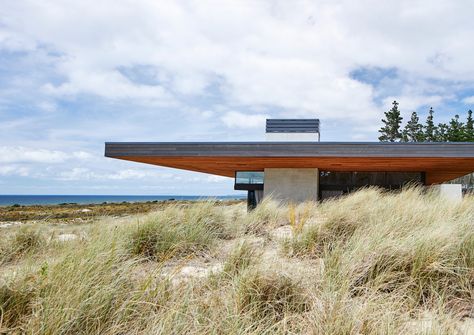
68	213
32	200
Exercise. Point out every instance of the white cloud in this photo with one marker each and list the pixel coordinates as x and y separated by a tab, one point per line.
82	72
239	120
14	170
137	174
294	56
80	173
469	100
409	103
21	154
82	155
216	179
77	174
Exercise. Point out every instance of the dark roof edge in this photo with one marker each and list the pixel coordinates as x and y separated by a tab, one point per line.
290	149
299	143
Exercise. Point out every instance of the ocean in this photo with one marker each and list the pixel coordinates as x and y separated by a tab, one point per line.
9	200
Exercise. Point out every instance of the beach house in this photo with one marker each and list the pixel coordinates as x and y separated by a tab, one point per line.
292	164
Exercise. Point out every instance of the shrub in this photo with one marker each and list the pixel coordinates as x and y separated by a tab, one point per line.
25	241
265	216
89	290
174	232
269	296
415	247
313	240
241	258
17	301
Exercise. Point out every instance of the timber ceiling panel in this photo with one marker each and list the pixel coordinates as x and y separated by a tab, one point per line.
441	161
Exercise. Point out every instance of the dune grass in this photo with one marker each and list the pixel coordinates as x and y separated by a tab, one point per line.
389	263
24	241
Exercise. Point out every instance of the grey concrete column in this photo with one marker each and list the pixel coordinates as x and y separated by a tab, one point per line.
291	185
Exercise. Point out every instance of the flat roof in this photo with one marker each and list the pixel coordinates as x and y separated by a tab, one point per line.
441	161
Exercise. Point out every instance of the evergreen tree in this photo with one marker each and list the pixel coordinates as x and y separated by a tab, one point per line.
455	132
430	128
441	133
390	132
413	131
469	128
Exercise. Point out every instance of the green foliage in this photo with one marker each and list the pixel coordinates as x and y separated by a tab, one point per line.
390	132
469	128
442	132
413	131
429	128
16	301
454	131
372	262
175	232
269	296
242	257
25	241
396	245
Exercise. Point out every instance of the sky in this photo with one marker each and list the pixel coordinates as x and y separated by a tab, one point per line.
75	74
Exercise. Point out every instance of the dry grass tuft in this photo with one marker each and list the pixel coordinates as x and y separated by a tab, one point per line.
269	296
241	258
177	232
25	241
266	216
387	263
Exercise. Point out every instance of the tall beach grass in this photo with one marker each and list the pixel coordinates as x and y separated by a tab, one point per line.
373	262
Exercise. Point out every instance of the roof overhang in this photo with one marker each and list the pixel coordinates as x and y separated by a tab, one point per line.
440	161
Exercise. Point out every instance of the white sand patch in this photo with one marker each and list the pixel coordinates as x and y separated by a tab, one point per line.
281	233
188	272
200	271
66	237
9	224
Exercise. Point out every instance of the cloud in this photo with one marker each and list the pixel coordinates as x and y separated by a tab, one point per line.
410	103
21	154
469	100
127	174
14	170
296	58
239	120
74	74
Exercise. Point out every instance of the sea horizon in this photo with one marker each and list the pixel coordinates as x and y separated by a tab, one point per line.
88	199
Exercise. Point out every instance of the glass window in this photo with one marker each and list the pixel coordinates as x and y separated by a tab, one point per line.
401	178
249	177
335	178
332	183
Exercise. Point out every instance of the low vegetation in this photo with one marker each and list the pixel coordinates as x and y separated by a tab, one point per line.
372	262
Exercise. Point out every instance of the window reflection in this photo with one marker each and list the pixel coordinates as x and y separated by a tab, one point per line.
249	177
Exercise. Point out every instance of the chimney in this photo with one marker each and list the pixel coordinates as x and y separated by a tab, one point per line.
302	130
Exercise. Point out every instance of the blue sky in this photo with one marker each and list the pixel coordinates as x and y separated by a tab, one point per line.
74	74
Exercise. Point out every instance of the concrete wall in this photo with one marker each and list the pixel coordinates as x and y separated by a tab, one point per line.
451	192
291	185
290	137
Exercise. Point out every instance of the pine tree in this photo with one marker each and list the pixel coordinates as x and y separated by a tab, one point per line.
469	128
441	134
413	131
455	131
430	128
391	131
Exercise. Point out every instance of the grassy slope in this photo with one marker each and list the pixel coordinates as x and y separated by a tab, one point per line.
369	263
